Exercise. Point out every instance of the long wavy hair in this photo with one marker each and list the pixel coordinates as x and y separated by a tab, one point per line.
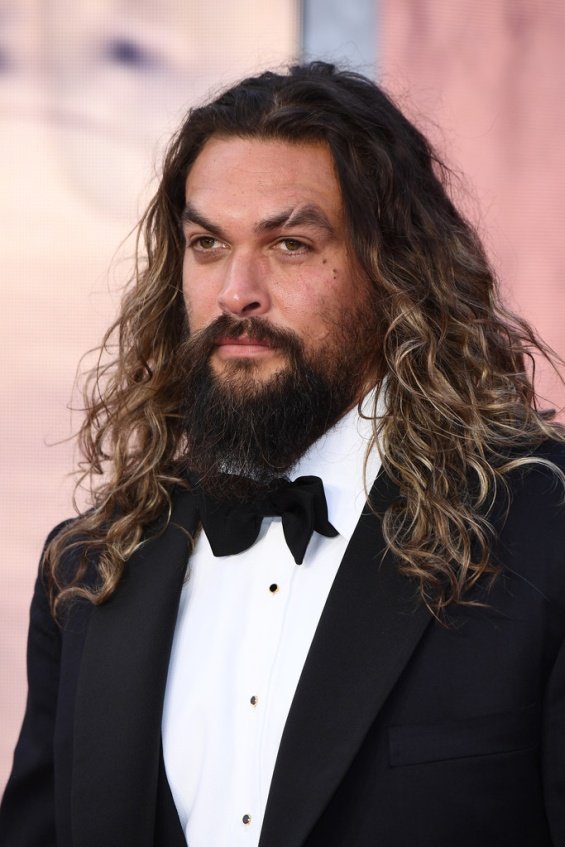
461	407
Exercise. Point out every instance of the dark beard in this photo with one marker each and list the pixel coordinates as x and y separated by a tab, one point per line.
243	434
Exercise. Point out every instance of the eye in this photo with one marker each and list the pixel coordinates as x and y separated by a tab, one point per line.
292	245
205	243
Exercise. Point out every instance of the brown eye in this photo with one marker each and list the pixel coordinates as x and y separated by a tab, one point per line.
204	242
292	245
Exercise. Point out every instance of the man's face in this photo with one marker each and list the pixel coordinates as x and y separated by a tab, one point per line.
266	240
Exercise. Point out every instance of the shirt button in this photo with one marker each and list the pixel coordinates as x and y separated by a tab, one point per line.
274	587
246	819
254	700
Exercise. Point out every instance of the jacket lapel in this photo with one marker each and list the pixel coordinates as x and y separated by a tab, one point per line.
368	631
120	693
369	628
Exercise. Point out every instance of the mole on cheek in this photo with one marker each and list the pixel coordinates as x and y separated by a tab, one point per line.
334	272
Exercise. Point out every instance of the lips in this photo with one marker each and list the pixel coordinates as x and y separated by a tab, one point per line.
241	341
228	346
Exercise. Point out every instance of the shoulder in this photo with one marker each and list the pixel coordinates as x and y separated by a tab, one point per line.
52	537
551	451
66	563
531	540
41	617
537	479
58	529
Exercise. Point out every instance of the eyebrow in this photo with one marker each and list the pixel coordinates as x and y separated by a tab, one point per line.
190	215
308	215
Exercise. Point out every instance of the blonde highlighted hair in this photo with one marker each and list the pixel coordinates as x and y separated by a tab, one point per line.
461	406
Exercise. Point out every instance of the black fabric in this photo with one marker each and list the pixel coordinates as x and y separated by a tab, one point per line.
168	828
403	730
232	527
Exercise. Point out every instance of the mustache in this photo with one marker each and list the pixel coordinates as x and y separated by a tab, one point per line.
256	329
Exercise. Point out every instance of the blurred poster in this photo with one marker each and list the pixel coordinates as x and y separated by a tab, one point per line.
89	93
486	81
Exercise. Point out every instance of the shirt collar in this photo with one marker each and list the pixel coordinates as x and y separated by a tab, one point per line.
338	458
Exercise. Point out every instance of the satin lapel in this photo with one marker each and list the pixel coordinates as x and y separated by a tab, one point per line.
120	693
368	631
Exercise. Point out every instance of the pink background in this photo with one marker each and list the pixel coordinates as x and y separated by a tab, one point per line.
78	126
77	133
486	82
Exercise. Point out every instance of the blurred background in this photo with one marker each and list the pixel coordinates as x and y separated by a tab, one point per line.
90	90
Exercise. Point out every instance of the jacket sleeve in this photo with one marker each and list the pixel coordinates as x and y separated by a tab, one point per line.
553	743
27	815
554	751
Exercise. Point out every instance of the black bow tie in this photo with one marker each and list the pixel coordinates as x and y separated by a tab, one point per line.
232	527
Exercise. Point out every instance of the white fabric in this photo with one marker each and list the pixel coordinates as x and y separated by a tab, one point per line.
236	639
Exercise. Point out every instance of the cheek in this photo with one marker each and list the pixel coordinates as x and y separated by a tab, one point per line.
314	321
318	305
199	300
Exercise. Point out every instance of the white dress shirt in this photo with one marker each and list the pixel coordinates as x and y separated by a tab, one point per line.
244	628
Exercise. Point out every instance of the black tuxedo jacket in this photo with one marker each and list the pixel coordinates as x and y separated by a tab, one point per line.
404	732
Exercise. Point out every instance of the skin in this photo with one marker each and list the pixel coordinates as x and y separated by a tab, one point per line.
265	238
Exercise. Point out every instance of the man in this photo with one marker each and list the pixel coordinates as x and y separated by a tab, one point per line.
325	671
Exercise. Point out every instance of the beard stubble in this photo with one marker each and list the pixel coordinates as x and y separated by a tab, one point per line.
243	433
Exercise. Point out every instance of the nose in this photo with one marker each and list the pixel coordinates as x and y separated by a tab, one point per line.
245	290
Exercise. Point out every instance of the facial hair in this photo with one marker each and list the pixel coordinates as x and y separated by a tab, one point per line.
243	433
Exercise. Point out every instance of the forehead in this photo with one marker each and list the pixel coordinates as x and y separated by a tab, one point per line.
259	176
